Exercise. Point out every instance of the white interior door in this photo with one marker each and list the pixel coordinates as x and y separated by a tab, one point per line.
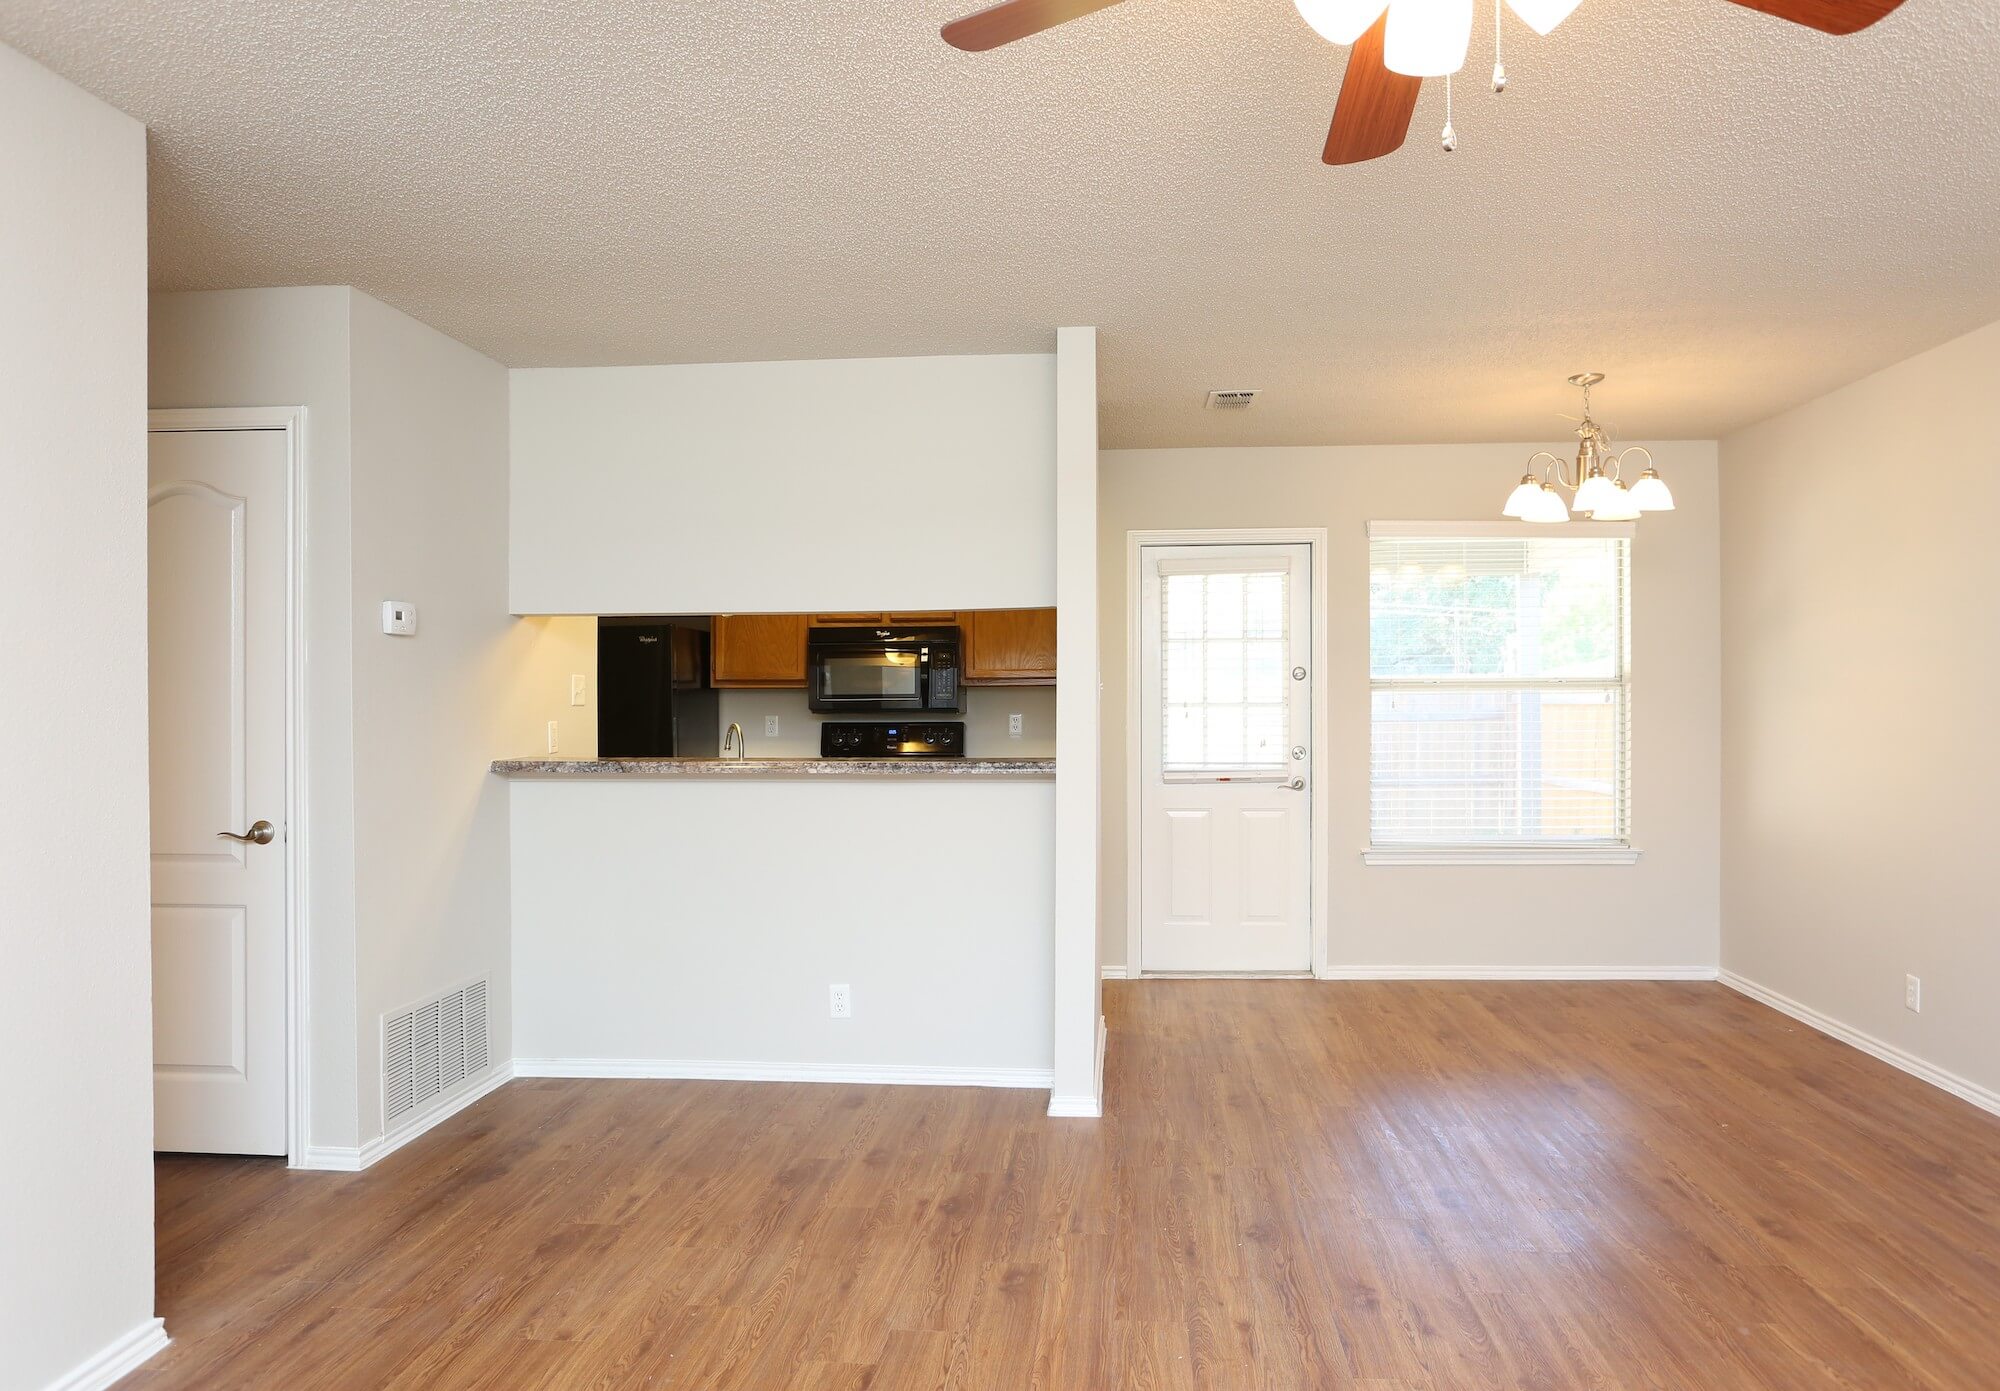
218	528
1225	715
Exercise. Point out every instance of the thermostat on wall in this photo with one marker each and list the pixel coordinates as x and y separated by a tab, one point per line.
399	618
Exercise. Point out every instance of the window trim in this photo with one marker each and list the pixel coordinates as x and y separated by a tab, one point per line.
1583	852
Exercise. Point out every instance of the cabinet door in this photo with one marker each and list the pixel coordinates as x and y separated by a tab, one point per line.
1011	646
759	649
845	620
928	618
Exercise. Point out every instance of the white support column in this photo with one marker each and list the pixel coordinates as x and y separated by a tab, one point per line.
1079	1023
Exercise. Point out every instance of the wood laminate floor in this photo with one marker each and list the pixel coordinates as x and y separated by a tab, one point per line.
1299	1184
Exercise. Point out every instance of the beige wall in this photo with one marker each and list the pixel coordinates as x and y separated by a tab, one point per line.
1861	639
429	434
746	487
76	1166
1660	915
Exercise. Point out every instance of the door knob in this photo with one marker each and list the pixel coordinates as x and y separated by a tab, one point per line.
260	833
1297	784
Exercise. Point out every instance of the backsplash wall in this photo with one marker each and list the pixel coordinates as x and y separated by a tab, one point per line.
986	712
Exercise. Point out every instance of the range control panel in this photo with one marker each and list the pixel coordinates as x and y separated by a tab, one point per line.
897	739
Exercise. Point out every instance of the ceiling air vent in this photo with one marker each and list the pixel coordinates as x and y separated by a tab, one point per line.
1231	400
432	1049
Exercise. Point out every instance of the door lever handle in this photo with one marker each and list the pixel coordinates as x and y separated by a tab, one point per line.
1297	784
260	833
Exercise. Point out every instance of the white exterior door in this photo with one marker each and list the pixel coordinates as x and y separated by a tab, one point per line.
218	529
1225	714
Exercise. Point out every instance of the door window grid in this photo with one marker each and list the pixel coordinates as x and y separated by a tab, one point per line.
1223	661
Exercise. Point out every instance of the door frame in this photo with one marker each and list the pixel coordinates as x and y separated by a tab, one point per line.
291	420
1314	539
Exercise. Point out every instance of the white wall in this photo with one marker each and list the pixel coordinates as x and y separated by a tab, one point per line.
1861	642
663	921
785	486
430	823
406	498
76	1165
1079	1027
1662	914
291	347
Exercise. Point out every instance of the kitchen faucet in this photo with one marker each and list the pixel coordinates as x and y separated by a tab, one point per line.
732	741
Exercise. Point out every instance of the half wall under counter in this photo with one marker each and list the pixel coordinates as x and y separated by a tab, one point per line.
665	929
697	768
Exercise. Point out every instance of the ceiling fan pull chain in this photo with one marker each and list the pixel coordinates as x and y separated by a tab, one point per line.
1450	135
1499	68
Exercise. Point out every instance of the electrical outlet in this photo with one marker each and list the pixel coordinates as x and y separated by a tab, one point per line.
770	726
576	689
1014	726
840	1003
1913	995
552	736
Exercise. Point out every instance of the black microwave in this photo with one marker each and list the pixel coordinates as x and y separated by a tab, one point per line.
885	668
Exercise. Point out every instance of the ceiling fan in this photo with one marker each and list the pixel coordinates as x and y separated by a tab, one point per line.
1397	44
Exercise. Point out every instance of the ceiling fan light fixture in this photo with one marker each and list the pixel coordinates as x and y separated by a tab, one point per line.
1427	38
1340	21
1542	16
1651	494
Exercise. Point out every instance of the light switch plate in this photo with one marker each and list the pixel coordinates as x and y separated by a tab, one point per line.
399	618
576	689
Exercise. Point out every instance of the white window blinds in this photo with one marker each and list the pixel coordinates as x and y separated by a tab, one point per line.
1222	668
1500	689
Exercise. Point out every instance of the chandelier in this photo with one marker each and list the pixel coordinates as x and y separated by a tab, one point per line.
1597	479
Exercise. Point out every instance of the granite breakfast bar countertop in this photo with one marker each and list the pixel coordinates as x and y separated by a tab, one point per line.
774	767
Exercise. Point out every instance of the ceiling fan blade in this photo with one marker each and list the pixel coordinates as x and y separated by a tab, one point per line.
1827	16
1014	19
1373	113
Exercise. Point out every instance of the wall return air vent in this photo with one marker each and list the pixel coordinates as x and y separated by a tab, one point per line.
431	1050
1237	400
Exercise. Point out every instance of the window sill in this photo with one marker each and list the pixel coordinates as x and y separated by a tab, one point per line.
1500	855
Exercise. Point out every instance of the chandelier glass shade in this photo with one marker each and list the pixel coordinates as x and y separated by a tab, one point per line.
1596	479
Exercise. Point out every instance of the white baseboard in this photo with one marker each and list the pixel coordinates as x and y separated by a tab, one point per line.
124	1355
1518	973
705	1070
1440	973
1090	1107
1985	1098
352	1158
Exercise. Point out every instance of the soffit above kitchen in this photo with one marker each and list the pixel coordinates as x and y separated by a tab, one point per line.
1726	212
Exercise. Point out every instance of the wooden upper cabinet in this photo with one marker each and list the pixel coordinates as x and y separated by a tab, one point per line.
759	649
1014	647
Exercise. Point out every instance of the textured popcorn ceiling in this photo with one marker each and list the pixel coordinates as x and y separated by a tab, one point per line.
1726	213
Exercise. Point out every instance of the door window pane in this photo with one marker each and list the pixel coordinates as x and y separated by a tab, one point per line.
1223	671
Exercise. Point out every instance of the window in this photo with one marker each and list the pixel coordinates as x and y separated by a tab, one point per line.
1222	668
1500	688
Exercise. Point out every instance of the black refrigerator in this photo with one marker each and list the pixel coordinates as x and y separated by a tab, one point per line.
653	697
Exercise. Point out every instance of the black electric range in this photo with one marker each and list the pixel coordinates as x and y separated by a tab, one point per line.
897	739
